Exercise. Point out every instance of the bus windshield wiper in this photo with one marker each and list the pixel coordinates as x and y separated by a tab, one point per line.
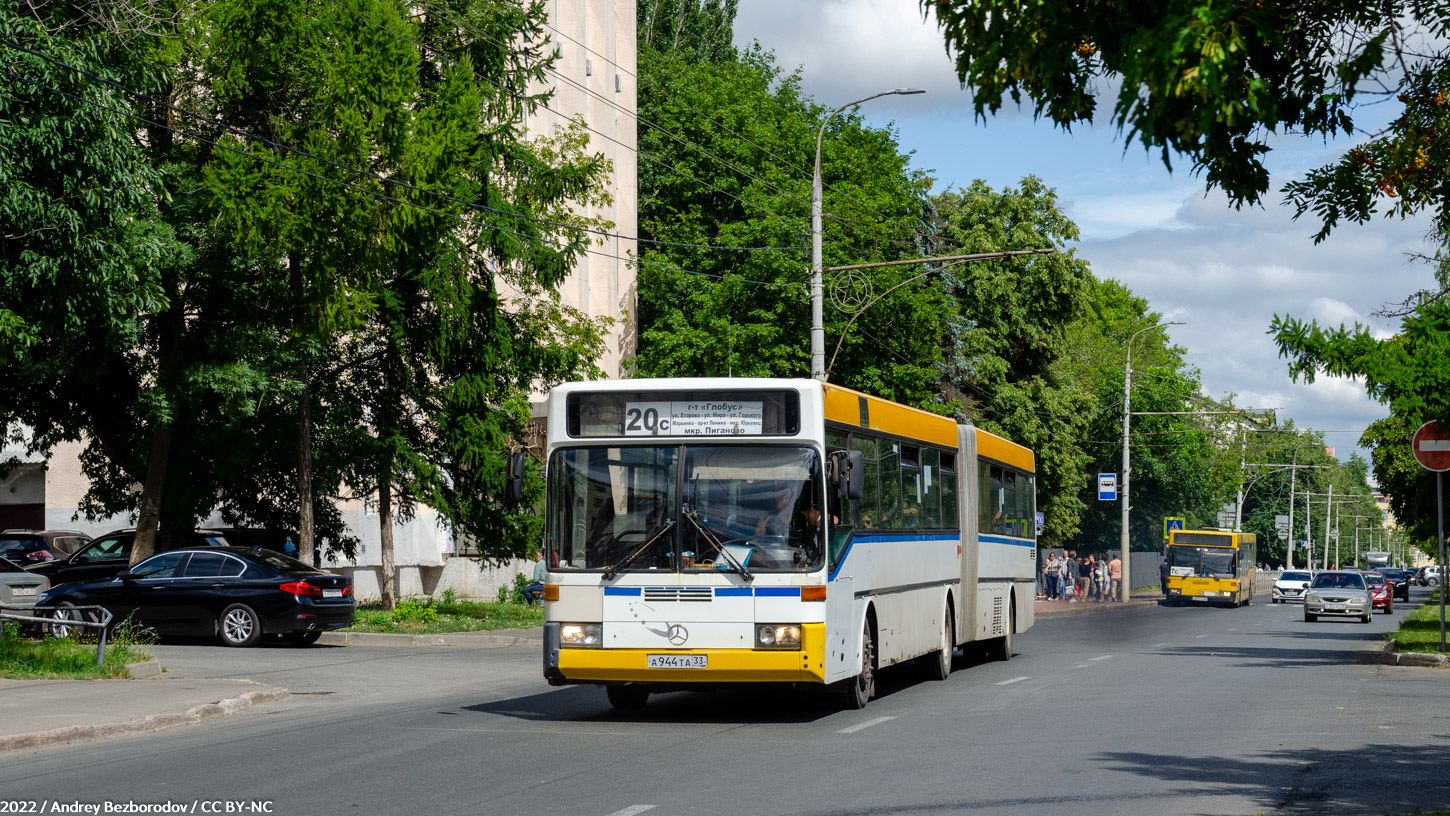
713	542
623	562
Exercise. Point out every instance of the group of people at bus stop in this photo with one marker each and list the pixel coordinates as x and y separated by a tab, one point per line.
1080	578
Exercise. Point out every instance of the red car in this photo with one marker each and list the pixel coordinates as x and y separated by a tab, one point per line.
1381	592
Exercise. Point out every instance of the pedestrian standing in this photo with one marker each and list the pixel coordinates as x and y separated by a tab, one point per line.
1049	576
1163	571
1115	578
1102	578
1073	570
1062	575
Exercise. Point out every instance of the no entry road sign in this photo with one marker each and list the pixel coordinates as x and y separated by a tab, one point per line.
1432	447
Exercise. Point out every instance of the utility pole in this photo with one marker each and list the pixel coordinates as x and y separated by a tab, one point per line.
1123	543
1329	505
1293	475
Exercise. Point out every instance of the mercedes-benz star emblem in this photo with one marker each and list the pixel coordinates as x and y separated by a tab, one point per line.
678	634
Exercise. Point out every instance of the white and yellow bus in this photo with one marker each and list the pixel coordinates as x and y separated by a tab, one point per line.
712	531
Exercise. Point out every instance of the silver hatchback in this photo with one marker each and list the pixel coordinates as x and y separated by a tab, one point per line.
1340	593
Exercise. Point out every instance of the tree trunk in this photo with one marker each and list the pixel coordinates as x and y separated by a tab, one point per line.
151	490
305	547
385	524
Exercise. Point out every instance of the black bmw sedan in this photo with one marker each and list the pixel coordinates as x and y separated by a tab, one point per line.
233	593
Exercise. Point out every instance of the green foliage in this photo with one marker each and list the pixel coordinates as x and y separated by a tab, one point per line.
514	592
692	30
414	609
1409	373
451	616
1010	332
61	658
1212	80
712	312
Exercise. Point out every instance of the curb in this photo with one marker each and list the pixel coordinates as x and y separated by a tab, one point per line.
1093	608
476	640
144	669
155	722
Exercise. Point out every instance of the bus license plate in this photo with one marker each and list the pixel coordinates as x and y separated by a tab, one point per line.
675	661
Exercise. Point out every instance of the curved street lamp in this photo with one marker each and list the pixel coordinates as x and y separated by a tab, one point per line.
818	325
1127	575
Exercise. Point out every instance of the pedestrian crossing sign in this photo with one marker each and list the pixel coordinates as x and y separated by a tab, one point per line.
1171	523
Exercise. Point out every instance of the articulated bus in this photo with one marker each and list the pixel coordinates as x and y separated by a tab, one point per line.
1212	566
701	532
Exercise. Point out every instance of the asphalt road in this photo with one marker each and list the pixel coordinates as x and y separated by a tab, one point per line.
1149	711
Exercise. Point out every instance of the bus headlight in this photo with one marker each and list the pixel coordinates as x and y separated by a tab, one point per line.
581	635
777	636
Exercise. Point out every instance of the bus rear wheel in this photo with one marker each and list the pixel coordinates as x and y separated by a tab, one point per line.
859	690
1001	648
938	664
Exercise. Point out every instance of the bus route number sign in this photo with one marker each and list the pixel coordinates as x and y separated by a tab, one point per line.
714	418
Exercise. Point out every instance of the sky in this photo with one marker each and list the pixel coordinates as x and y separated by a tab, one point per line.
1224	272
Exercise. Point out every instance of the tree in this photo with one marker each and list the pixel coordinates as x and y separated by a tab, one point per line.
1212	81
1010	332
739	178
689	30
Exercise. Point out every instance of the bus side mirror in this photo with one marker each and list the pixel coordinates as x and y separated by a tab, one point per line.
513	480
847	470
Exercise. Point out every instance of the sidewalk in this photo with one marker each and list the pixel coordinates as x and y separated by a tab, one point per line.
1067	609
35	713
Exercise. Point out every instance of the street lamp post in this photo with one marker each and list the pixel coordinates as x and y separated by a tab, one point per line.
818	320
1127	575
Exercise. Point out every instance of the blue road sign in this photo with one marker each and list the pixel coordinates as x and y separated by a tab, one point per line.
1107	487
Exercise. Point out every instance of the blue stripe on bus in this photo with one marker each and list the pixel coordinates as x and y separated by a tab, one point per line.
1015	542
776	592
732	592
876	538
621	590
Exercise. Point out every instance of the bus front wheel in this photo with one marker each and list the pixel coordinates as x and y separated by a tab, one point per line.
859	690
627	696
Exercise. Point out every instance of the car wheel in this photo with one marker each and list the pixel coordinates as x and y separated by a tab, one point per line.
239	626
301	638
1367	617
1308	618
627	696
66	611
1433	582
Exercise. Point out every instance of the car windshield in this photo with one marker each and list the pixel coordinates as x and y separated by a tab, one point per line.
1374	580
636	508
1204	561
1339	580
1294	576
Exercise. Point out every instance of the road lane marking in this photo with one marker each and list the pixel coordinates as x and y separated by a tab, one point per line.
1104	657
857	727
1083	666
1013	680
1201	636
1157	646
633	810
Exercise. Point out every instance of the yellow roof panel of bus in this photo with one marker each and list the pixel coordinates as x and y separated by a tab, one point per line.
1005	451
844	405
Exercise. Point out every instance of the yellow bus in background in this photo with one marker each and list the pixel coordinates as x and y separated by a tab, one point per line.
1211	566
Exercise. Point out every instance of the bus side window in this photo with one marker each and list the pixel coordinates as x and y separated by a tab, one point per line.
949	491
910	488
986	498
868	514
840	519
931	489
1011	508
890	453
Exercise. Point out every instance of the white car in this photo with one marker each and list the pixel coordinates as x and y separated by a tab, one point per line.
1290	585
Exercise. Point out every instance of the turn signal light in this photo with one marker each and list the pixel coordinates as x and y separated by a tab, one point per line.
813	593
551	592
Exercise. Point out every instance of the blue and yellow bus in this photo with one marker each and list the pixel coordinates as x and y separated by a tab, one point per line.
702	532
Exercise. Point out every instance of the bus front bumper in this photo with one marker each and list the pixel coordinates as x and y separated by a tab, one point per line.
570	665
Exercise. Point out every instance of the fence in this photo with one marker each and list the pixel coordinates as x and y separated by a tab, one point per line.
85	617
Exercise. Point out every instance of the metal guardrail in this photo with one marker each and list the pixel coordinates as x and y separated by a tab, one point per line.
61	616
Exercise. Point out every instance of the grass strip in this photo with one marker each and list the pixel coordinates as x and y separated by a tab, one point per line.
1420	630
428	617
61	658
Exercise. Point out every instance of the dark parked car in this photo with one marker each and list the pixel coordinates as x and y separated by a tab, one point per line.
108	555
26	547
1399	580
233	593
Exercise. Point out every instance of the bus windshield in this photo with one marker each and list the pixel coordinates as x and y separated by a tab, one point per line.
1202	561
690	507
